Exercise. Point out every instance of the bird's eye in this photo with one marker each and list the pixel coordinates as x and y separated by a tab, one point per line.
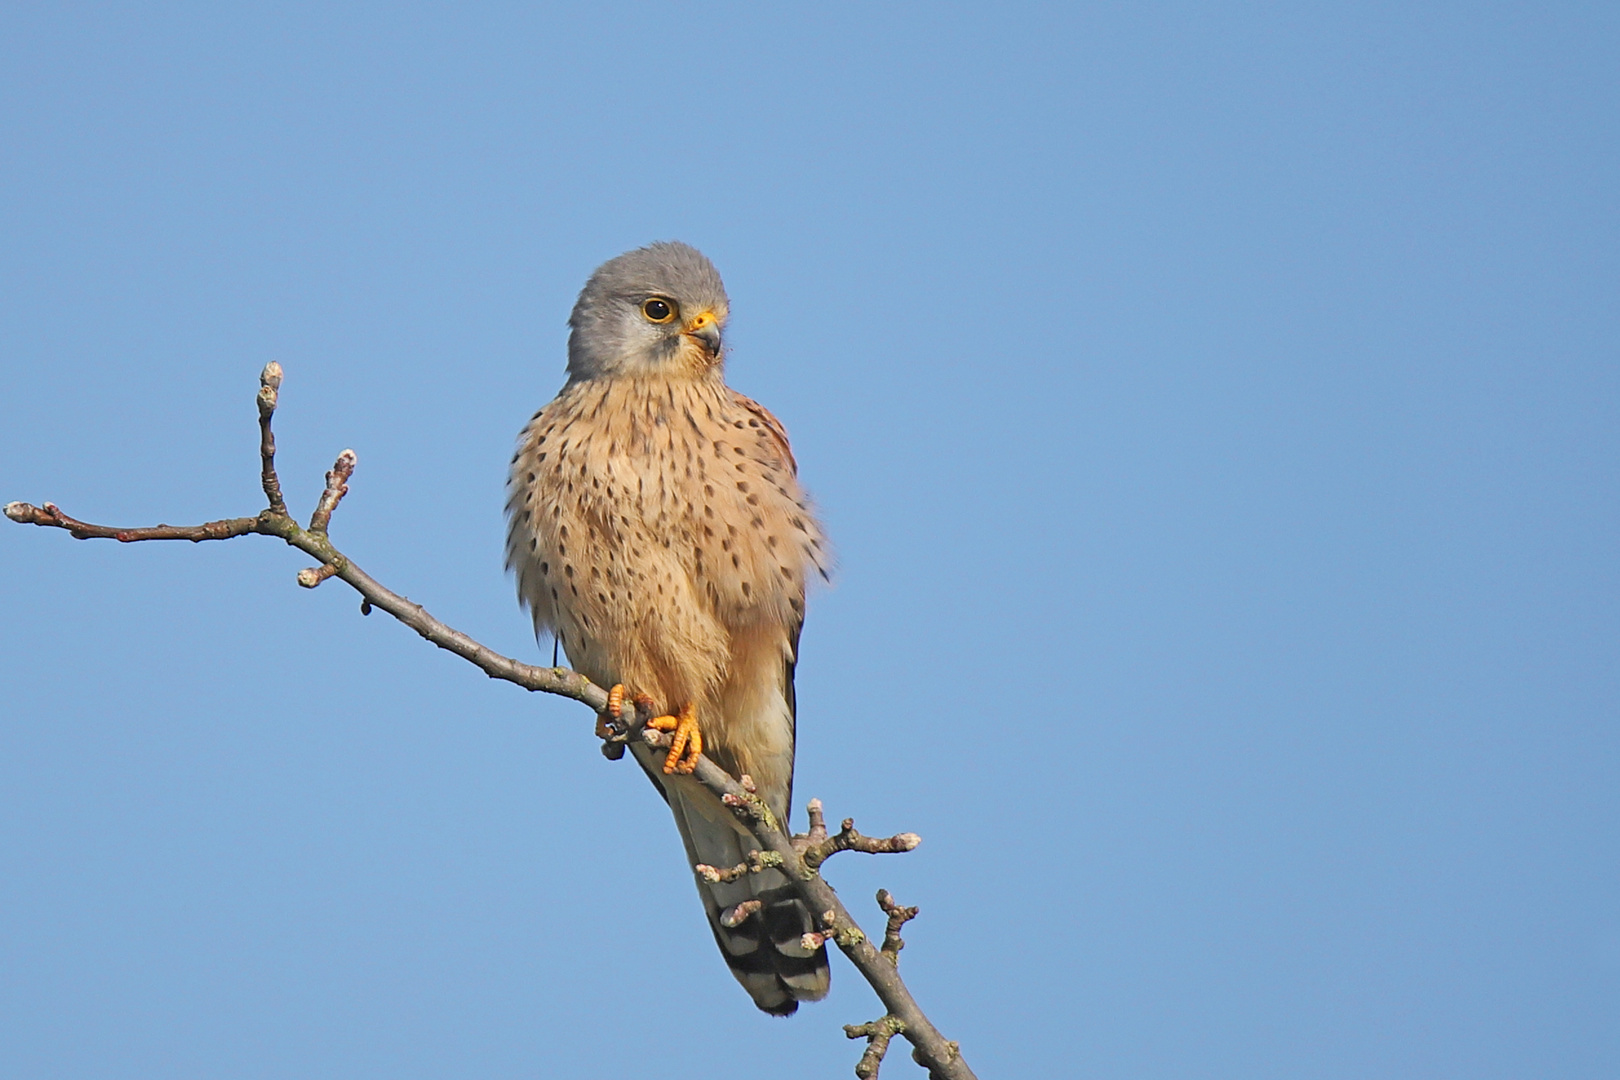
657	309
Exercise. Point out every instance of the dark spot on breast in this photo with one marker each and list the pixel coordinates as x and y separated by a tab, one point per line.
545	568
736	562
753	500
787	575
742	485
770	541
747	588
531	478
569	570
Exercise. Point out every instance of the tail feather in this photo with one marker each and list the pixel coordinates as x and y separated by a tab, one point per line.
764	951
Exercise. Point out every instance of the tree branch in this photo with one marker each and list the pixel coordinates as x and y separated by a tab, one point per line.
799	858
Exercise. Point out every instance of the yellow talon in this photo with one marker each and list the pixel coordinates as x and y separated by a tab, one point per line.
687	744
610	721
608	718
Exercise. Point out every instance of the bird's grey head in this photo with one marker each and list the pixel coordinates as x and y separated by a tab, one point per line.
657	310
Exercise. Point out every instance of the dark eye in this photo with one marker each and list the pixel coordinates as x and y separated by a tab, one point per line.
657	309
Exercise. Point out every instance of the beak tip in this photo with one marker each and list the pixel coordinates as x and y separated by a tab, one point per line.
709	336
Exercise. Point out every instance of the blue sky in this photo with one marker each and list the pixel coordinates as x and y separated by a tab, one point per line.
1214	411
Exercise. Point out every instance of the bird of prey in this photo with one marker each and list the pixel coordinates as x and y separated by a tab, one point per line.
658	531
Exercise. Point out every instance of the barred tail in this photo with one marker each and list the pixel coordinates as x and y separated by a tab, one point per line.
763	950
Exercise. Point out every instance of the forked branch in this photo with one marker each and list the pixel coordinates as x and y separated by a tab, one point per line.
799	858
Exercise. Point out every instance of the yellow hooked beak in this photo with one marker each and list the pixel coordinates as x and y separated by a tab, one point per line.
705	329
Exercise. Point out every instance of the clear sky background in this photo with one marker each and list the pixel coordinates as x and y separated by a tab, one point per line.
1215	412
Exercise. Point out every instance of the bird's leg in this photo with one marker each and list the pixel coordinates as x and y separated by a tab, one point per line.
688	741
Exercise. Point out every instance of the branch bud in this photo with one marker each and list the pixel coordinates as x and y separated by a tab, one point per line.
731	918
311	576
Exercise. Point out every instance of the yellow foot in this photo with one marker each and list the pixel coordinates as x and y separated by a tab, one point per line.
688	743
609	722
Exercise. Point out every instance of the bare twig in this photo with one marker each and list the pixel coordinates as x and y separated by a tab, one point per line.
898	917
337	486
799	858
818	824
757	861
51	515
877	1034
849	839
269	392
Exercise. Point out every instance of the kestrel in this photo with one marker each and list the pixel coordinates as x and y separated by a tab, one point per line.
658	530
